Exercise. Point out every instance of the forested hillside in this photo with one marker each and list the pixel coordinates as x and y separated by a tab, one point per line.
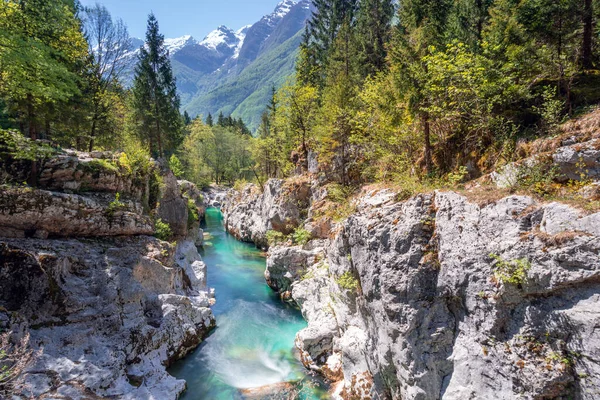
429	93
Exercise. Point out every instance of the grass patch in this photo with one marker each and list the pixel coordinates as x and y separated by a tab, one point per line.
301	236
512	272
348	281
162	230
274	238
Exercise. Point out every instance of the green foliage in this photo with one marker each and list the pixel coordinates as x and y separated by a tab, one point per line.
454	178
551	110
115	205
512	272
102	165
155	102
18	147
348	281
176	166
162	230
301	236
538	177
216	154
42	53
274	238
193	216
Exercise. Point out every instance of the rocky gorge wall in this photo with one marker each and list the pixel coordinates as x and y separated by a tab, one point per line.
107	307
439	296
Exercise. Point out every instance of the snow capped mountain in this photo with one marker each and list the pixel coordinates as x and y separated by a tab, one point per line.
222	36
283	8
174	45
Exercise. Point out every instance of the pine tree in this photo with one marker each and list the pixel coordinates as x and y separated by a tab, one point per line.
467	20
306	66
209	120
423	26
221	119
186	118
155	99
323	27
588	34
374	23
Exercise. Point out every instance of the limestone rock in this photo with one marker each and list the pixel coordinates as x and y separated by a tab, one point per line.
106	315
281	206
190	190
407	300
80	172
173	208
40	213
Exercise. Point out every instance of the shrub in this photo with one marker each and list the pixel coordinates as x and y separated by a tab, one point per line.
162	230
513	272
193	215
102	165
348	281
115	205
275	237
125	163
454	178
176	167
15	145
240	184
538	178
301	236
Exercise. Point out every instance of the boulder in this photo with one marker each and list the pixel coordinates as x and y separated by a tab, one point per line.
78	172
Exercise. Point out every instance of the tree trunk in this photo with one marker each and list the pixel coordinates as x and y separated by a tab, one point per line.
588	31
427	142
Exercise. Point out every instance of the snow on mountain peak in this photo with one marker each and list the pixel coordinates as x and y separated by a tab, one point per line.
241	35
221	35
284	7
174	45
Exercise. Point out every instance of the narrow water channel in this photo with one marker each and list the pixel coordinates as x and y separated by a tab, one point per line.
253	343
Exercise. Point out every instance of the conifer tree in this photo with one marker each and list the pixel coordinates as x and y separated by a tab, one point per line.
374	30
209	120
221	119
326	21
155	99
423	25
186	118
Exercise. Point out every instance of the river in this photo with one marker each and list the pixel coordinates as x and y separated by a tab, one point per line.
254	340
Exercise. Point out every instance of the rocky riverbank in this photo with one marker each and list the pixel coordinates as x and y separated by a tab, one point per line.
107	307
444	295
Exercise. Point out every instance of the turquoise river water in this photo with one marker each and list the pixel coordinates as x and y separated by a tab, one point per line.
254	340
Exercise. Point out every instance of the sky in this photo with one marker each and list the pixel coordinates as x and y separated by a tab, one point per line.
186	17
